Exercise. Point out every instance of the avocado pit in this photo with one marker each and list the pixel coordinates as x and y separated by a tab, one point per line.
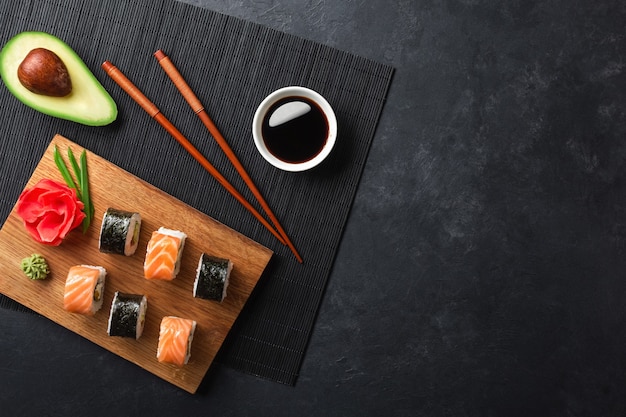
43	72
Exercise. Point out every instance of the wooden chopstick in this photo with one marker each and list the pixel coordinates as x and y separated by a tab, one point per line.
195	104
156	114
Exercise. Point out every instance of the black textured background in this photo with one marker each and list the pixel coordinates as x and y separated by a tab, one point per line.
481	271
231	65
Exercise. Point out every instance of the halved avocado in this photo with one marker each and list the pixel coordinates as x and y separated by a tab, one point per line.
88	102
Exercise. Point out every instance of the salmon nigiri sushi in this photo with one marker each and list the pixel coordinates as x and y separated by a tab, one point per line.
175	337
163	254
84	289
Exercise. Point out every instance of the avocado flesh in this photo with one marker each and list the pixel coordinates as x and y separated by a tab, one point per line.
88	102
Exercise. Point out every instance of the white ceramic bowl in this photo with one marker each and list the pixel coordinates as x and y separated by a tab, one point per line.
268	102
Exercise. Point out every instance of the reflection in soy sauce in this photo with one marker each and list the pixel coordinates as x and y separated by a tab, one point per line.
295	129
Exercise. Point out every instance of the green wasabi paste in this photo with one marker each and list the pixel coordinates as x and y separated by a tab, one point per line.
35	267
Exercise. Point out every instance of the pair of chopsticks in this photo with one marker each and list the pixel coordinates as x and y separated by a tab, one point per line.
198	108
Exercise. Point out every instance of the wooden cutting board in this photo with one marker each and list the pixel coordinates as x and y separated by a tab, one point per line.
113	187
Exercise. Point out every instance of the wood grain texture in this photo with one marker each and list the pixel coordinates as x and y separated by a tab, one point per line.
113	187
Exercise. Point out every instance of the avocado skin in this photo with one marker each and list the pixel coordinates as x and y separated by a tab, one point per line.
88	103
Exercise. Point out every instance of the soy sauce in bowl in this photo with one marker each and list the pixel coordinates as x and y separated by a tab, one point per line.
295	129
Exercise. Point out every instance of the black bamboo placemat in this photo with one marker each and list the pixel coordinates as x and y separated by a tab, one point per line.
232	65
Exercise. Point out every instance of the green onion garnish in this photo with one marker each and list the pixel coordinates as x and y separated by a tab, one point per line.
84	190
81	185
70	156
64	171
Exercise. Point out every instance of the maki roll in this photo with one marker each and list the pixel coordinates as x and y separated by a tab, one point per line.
212	278
119	233
128	315
163	254
175	337
84	289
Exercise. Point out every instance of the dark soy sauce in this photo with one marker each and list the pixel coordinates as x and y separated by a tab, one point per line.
300	133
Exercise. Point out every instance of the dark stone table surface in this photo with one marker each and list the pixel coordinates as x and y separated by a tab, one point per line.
482	271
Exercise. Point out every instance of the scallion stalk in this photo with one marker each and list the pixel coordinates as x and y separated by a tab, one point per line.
65	173
82	178
84	189
74	163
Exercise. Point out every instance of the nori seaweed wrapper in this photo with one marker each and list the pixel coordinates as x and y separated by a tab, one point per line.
211	277
115	228
125	315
